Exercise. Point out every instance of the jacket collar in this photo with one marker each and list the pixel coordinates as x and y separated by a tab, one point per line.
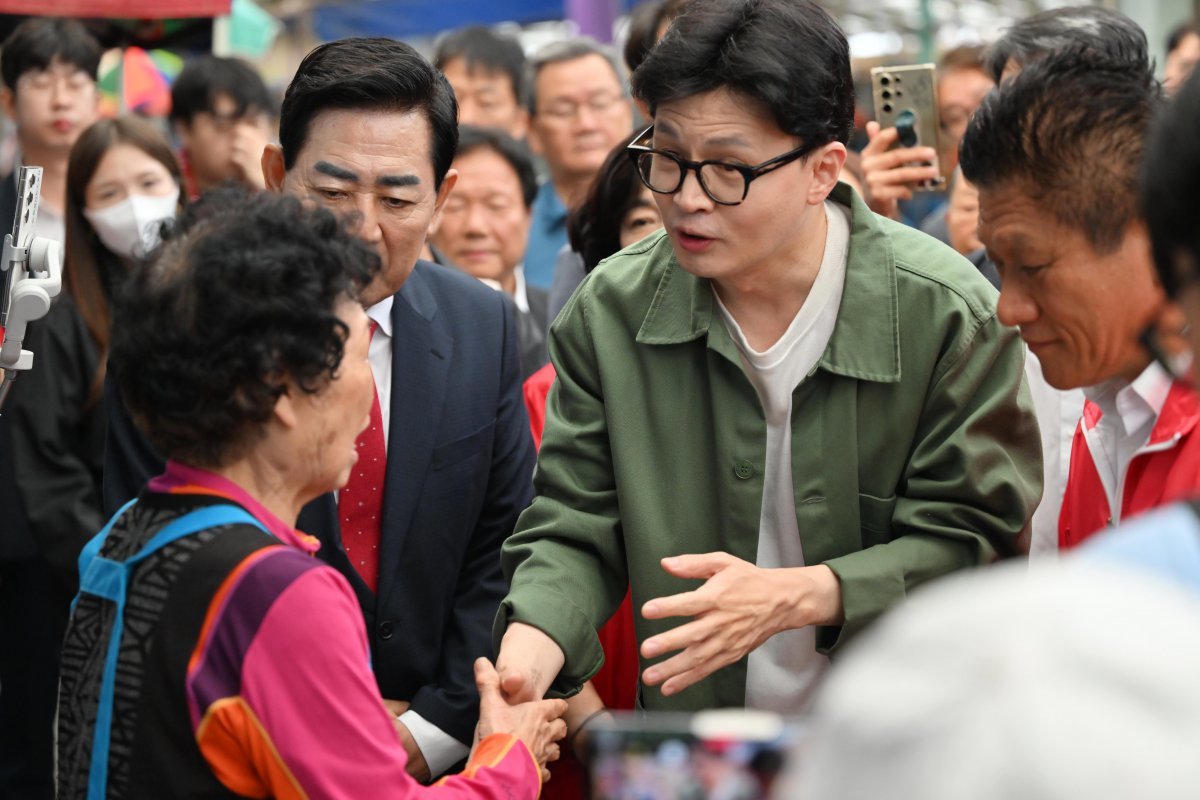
866	337
416	293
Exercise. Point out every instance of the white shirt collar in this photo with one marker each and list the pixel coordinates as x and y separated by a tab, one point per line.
381	314
1134	403
520	296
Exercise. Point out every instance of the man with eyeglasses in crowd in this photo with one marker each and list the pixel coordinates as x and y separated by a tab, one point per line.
775	418
578	112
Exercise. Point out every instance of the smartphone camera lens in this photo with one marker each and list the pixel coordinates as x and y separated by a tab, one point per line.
887	108
884	80
885	94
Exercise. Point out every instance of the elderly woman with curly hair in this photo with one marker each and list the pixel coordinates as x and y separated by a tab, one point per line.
208	653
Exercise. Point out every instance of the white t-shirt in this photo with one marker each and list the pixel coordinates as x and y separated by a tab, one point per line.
783	672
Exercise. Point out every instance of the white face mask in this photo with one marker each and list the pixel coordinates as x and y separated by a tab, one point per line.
130	228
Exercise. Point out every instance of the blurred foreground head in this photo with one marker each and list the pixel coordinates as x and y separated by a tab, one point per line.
1056	683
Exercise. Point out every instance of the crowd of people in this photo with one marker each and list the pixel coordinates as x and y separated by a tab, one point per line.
383	439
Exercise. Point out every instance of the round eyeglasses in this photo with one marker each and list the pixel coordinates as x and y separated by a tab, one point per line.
725	184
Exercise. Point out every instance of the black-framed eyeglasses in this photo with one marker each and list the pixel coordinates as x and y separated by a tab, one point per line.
725	184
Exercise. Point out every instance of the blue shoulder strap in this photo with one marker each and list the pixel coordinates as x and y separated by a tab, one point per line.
109	579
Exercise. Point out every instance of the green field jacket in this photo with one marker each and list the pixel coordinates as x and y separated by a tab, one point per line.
915	451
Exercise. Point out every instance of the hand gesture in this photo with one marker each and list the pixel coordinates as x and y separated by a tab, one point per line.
738	608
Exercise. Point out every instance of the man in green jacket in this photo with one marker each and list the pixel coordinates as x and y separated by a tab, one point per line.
776	418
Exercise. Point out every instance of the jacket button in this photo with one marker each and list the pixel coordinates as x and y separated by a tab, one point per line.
743	469
386	629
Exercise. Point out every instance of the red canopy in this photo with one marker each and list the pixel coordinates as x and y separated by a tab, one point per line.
129	9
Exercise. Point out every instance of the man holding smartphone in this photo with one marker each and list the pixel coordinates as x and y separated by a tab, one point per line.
894	170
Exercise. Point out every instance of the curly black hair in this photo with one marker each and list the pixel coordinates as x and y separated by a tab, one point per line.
237	304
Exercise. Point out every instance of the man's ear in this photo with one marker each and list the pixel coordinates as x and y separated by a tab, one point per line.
442	195
273	168
826	166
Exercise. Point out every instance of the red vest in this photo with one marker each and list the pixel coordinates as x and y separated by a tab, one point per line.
1165	469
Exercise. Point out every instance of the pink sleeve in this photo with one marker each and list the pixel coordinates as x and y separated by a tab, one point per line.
307	682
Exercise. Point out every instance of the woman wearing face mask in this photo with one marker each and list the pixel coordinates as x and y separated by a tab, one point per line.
122	183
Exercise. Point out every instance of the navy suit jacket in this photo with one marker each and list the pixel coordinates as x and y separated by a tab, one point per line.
459	472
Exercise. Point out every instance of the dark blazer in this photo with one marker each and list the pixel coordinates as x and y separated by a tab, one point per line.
459	471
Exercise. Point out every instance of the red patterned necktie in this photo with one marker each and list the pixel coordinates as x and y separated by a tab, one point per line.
360	501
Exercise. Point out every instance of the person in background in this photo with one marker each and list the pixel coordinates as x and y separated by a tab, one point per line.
222	113
122	182
48	67
1077	277
368	129
487	71
722	436
48	71
647	24
484	228
1183	53
579	110
1092	28
241	660
962	83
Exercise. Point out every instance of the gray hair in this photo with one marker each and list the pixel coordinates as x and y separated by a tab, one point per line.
570	50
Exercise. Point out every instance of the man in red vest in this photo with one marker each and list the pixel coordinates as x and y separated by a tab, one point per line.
1055	153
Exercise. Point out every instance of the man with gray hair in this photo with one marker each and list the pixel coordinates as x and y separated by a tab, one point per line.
579	110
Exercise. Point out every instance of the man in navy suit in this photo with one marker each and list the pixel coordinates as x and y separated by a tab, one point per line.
369	129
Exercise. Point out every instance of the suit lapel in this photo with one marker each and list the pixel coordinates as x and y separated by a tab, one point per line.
421	354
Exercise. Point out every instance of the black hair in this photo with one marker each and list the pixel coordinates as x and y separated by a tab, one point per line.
1101	30
472	137
208	77
1180	32
789	55
38	41
1070	130
1170	183
369	74
482	48
644	22
235	305
594	228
